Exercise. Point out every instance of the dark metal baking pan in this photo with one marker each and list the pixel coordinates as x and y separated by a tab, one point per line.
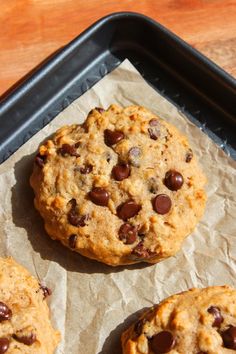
198	87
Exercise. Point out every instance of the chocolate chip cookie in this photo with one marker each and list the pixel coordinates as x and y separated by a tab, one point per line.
124	187
24	315
198	321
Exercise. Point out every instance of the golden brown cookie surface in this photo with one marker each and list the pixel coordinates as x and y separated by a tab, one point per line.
197	321
122	188
24	315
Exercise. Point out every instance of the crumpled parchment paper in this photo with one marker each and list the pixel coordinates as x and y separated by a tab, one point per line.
93	303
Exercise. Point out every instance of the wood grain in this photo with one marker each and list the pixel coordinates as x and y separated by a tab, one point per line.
31	30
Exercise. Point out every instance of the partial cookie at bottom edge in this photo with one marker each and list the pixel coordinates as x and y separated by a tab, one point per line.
196	321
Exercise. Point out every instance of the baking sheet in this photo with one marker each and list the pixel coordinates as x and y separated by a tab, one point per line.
93	303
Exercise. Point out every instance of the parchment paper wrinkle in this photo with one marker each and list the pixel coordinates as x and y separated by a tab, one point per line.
91	302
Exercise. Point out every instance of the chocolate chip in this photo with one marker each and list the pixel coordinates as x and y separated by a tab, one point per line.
72	241
86	169
73	216
141	251
128	233
73	203
229	337
173	180
162	342
68	149
46	291
154	131
161	204
75	219
134	155
128	209
5	312
100	110
112	137
121	171
138	327
4	345
27	340
154	122
218	319
40	160
99	196
189	155
201	352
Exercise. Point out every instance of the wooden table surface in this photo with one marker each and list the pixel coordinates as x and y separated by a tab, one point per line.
31	30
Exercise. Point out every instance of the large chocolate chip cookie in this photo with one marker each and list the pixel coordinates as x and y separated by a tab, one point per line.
122	188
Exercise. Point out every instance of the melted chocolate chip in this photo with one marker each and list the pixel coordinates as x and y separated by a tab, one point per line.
83	219
154	131
75	219
128	233
218	319
86	169
68	149
46	291
121	171
73	203
173	180
72	241
141	251
128	210
161	204
73	216
162	342
112	137
4	345
138	327
100	109
40	160
99	196
77	144
27	340
229	337
134	155
189	156
5	312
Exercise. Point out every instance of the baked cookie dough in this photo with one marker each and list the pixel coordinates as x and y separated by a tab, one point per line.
122	188
198	321
24	315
